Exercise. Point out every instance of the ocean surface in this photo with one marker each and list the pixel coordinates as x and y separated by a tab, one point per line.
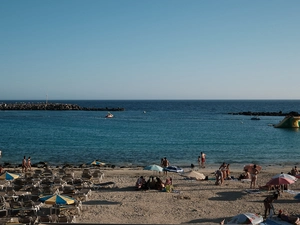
149	130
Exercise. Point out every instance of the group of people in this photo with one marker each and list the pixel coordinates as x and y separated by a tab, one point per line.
26	164
201	160
154	183
223	173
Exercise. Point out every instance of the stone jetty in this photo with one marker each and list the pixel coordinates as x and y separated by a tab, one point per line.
280	113
51	106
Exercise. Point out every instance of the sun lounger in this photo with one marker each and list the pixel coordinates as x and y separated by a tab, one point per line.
103	185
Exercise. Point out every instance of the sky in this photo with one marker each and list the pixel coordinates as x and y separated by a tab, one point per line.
158	49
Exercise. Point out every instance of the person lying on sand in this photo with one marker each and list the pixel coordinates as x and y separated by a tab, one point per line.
289	218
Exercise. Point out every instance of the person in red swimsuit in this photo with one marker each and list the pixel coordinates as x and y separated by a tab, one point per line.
203	159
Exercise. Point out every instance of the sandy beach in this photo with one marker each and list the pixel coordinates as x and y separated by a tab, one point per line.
193	202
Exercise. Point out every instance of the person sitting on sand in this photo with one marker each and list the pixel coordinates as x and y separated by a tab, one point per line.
268	203
219	177
151	183
294	171
289	218
159	185
245	175
168	181
140	183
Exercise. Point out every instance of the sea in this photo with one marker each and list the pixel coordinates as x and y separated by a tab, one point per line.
149	130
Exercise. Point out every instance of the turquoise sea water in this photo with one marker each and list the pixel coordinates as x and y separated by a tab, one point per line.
178	130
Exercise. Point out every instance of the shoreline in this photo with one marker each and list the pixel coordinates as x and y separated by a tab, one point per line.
209	167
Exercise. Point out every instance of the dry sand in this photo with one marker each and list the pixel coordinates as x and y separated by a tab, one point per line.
196	201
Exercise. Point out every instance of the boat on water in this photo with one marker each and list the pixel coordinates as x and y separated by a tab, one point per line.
289	122
109	115
255	118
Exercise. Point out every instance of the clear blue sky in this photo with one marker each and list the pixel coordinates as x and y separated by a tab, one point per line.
158	49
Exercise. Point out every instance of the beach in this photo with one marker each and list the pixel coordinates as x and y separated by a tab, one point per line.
192	201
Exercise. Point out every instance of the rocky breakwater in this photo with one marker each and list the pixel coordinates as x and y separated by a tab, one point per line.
280	113
51	106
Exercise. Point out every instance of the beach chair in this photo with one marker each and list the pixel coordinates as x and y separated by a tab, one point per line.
45	215
98	186
68	179
26	219
97	175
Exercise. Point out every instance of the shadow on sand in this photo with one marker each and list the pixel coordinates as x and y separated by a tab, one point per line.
100	202
228	196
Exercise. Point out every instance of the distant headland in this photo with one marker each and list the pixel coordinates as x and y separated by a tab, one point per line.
51	106
280	113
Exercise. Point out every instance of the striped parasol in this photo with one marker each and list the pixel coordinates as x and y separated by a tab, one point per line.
9	176
57	199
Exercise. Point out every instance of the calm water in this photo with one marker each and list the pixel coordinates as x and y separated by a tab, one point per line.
178	130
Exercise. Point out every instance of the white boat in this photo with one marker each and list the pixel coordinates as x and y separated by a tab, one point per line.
109	115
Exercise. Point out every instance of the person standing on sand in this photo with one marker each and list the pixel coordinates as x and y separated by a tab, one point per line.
203	158
29	163
199	161
165	165
24	165
268	203
253	177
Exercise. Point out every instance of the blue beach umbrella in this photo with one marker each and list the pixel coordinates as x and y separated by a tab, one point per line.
9	176
154	168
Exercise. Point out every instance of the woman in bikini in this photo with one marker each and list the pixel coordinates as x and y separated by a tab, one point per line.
253	177
29	163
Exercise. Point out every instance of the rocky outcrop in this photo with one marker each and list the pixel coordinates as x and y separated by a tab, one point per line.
51	106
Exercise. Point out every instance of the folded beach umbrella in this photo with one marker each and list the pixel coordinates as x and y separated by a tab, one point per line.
246	218
9	176
284	175
280	180
194	175
57	199
154	168
97	163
